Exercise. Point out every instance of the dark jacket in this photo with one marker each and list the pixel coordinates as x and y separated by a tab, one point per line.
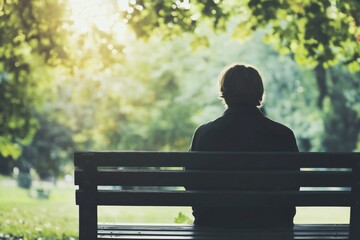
244	129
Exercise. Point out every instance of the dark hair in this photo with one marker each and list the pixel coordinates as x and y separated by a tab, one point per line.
241	85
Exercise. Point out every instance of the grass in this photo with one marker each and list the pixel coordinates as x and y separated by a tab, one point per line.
336	215
31	218
57	217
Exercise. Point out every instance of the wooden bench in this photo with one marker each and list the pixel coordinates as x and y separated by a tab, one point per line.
327	179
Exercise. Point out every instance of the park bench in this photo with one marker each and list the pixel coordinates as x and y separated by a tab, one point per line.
327	179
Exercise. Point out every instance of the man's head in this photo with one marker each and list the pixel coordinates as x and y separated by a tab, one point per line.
241	85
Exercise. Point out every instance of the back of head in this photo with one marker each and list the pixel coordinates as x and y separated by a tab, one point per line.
241	85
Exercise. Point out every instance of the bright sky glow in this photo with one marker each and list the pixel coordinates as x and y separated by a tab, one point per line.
87	13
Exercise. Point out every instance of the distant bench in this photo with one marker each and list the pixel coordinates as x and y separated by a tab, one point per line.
340	171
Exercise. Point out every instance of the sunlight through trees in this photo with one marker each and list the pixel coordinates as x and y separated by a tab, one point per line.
141	75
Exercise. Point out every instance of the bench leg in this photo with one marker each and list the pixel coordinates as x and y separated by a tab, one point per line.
87	221
355	206
355	222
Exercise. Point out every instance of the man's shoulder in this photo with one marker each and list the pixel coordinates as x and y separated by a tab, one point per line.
213	125
277	127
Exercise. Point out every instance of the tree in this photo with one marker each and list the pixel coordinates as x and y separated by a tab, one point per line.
325	32
341	112
50	149
35	41
31	33
138	102
317	33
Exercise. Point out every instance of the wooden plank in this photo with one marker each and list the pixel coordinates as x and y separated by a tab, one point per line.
224	237
355	206
221	233
324	231
190	227
305	230
211	159
219	198
225	179
161	234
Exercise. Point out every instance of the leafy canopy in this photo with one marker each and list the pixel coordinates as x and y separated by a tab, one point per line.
325	32
31	35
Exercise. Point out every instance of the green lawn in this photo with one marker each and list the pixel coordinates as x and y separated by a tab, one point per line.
57	217
22	215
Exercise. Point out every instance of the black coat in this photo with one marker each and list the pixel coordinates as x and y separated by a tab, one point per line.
244	129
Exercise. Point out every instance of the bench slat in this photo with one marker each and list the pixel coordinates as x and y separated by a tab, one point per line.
314	232
325	231
190	227
218	198
210	160
229	179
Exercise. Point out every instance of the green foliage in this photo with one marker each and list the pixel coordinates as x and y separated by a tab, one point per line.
341	111
314	31
158	93
30	32
139	104
320	35
16	123
182	218
51	148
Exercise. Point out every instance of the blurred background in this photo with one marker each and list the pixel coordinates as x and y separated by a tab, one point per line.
81	75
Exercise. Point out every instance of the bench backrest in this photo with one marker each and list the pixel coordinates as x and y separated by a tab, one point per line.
158	179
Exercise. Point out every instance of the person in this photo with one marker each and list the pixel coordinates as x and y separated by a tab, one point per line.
243	128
